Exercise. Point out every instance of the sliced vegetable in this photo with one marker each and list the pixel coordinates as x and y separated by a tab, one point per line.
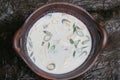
84	47
53	47
74	28
31	54
74	53
65	21
48	45
85	41
76	43
84	52
48	35
47	32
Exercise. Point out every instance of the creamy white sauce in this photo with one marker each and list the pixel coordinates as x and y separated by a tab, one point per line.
58	43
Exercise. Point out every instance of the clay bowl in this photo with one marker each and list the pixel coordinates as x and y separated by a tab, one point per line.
97	32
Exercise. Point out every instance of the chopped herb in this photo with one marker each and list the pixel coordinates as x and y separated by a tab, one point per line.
47	32
48	45
48	35
71	41
74	28
74	53
53	47
43	43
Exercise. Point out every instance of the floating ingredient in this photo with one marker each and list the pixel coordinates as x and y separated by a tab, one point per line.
85	41
76	43
71	41
47	32
53	47
48	35
79	33
66	22
74	53
48	45
51	66
74	28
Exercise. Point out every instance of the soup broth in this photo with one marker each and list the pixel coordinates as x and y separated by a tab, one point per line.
58	43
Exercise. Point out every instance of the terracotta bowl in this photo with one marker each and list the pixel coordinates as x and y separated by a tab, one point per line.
97	32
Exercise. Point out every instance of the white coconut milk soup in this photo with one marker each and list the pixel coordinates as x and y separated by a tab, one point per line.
58	43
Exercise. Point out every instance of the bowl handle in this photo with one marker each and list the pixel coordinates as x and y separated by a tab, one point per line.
17	41
104	35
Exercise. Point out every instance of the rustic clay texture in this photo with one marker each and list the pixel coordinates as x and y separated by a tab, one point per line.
13	13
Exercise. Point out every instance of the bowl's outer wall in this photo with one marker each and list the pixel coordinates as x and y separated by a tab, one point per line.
22	33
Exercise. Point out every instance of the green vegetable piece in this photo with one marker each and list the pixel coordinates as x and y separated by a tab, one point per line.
48	45
53	47
48	35
87	40
47	32
71	41
65	21
74	28
74	53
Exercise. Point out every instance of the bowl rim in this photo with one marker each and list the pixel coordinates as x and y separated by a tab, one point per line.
23	32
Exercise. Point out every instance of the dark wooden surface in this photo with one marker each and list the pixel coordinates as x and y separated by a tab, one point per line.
13	13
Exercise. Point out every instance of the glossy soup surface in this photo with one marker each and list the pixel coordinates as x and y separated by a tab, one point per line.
58	43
